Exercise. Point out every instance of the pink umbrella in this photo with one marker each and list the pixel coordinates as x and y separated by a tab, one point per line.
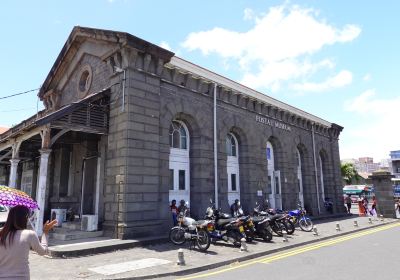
13	197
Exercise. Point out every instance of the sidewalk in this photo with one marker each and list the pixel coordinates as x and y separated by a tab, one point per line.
159	260
97	245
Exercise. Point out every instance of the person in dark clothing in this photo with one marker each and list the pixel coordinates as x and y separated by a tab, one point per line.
183	208
235	208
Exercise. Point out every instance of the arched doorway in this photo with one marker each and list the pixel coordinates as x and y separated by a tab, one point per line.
179	162
232	168
300	177
274	179
322	181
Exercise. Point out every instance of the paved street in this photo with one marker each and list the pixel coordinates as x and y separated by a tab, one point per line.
367	255
153	260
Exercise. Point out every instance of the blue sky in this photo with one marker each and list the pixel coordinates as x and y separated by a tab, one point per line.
335	59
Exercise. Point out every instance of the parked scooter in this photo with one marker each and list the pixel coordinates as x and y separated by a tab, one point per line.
262	226
248	225
189	229
276	221
286	219
222	226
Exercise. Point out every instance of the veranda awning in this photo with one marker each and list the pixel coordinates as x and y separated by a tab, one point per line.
356	189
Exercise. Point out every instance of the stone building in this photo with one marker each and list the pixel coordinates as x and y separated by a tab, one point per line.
128	126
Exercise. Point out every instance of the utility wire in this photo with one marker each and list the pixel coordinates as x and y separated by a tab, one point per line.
15	110
12	95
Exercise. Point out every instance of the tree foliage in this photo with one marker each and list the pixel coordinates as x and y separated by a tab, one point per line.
349	173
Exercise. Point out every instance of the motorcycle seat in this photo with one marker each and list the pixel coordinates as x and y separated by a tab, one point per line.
257	219
277	217
223	222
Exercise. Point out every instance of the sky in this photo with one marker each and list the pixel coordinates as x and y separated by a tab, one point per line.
338	60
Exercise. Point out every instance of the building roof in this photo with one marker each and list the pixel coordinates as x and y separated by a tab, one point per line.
3	129
221	80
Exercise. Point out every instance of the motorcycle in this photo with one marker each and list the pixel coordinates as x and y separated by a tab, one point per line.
189	229
299	217
262	227
276	221
286	219
248	225
223	227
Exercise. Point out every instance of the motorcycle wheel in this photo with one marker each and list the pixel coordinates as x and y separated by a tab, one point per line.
306	224
266	235
280	227
177	235
290	227
203	240
236	236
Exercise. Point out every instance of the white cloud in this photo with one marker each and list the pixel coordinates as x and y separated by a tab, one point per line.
248	14
376	131
343	78
280	40
165	45
367	77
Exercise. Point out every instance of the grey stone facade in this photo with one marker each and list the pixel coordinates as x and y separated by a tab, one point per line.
135	179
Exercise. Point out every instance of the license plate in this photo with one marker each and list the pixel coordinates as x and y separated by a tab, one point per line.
241	229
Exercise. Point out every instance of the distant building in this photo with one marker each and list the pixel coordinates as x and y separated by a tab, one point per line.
364	165
3	129
386	164
366	160
395	159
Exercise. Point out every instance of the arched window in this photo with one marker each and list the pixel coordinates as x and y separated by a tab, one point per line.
231	145
177	135
232	167
179	162
274	188
300	177
321	172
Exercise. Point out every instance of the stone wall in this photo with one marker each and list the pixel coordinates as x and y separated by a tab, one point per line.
137	175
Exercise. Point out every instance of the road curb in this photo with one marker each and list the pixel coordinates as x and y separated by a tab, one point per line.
252	256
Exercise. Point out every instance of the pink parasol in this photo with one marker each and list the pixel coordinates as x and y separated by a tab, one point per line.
13	197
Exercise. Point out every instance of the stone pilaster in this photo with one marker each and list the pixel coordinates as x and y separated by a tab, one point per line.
13	172
383	193
41	189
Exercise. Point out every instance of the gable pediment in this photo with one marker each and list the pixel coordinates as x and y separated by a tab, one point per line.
97	43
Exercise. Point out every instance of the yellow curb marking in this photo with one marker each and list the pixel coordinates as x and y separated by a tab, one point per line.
296	251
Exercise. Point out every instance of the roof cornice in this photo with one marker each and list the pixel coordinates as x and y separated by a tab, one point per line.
223	81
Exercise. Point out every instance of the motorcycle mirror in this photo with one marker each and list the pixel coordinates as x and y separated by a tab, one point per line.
211	201
256	203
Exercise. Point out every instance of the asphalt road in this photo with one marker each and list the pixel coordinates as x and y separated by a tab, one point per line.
371	254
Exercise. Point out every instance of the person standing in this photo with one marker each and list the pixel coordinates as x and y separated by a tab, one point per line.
373	207
347	201
365	205
16	241
361	209
235	208
183	208
174	212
